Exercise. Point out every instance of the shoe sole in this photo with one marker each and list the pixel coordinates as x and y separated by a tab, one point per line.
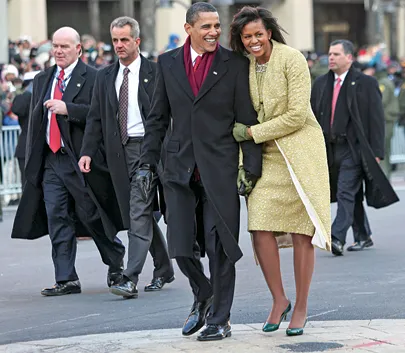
170	280
60	294
123	293
229	334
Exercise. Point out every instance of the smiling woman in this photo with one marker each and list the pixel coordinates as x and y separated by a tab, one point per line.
289	206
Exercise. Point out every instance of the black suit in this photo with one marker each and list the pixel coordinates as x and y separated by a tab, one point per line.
199	133
55	198
353	142
102	129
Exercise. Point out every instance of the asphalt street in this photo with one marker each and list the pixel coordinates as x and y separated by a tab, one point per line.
358	286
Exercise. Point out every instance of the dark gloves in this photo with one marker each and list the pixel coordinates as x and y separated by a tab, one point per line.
240	133
143	179
246	182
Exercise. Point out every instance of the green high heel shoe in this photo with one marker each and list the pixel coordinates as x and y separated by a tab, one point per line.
296	331
274	327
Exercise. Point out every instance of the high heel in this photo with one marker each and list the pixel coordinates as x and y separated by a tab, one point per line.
274	327
296	331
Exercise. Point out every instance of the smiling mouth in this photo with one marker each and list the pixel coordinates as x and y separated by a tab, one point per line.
210	40
256	48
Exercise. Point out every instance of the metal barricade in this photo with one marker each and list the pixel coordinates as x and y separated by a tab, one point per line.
10	172
398	145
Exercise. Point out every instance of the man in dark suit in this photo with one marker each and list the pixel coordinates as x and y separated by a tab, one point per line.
118	123
55	198
349	109
201	90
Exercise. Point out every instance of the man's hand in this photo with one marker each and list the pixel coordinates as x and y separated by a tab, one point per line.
84	164
143	179
240	133
246	182
378	160
56	106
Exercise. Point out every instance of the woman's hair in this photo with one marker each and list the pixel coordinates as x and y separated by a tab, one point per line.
252	14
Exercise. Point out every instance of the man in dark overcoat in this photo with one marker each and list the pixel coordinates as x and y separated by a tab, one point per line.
201	90
120	105
349	108
55	199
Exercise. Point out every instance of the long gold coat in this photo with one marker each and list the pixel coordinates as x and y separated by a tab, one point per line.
288	122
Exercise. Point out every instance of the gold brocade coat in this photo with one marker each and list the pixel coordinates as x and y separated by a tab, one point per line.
289	121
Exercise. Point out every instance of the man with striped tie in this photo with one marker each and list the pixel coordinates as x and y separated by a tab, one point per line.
56	200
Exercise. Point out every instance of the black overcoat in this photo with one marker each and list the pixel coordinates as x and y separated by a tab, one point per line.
102	128
363	98
31	221
198	130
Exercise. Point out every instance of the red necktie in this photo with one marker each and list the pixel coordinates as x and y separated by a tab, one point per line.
54	132
197	62
336	91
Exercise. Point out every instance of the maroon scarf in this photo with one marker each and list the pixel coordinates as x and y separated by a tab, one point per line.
197	77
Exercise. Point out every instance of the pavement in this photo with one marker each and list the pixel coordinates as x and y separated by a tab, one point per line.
359	298
375	336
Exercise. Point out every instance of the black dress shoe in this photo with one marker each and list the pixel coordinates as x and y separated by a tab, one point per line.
360	245
114	278
157	283
197	317
70	287
215	332
337	247
126	289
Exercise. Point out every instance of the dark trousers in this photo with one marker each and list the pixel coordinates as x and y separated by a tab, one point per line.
222	271
66	200
350	210
144	233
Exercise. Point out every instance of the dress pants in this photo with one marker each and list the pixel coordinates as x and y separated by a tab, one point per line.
350	211
361	226
222	270
144	233
66	200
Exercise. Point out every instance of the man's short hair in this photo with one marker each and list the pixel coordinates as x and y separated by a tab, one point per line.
347	45
194	11
123	21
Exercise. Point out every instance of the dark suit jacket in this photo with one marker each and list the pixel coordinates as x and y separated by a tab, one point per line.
102	130
31	220
21	108
363	99
199	131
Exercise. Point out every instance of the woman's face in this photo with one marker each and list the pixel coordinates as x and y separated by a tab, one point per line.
255	38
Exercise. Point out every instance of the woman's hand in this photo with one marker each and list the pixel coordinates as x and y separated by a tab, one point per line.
240	132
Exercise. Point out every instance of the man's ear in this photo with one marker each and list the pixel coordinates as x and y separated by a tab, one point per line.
187	28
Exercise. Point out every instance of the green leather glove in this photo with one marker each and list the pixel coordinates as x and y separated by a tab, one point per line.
240	132
245	182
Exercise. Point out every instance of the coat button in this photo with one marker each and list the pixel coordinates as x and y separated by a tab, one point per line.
118	155
189	170
115	133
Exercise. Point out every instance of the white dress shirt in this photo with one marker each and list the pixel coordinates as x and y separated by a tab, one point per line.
194	55
342	78
68	75
135	123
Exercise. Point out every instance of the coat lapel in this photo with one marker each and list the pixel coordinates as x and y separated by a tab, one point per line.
75	83
145	76
351	87
111	75
46	86
218	69
179	72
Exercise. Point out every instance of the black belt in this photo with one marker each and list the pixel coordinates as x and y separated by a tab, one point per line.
340	138
135	139
61	150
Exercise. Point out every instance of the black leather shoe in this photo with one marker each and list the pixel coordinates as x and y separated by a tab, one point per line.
215	332
126	289
157	283
70	287
337	247
197	317
360	245
114	278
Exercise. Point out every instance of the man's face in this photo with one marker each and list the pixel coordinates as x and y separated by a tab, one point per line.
205	32
125	46
339	62
65	50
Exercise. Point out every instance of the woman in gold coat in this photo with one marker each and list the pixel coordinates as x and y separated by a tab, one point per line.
289	205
